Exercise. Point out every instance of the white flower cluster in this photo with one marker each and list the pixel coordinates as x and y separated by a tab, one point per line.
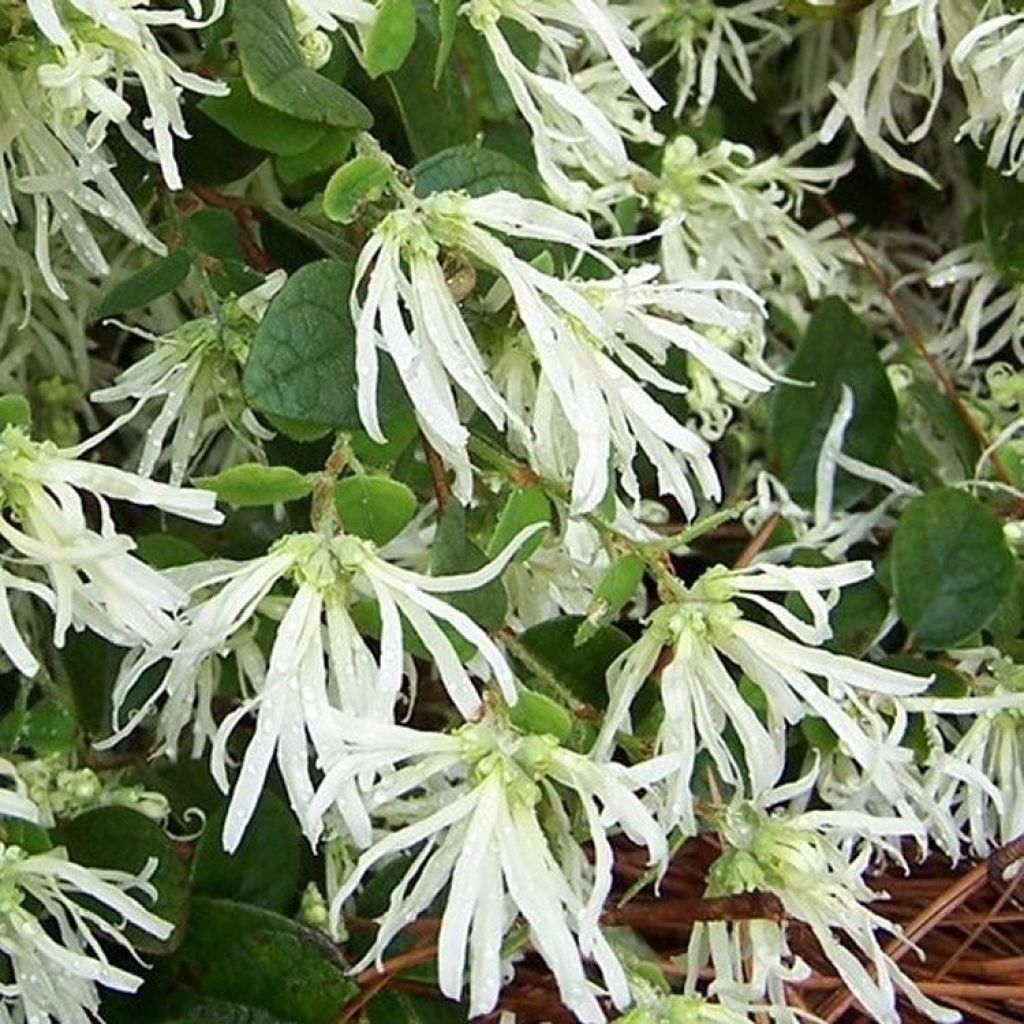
606	365
53	914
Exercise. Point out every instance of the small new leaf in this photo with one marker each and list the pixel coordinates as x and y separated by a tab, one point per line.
252	485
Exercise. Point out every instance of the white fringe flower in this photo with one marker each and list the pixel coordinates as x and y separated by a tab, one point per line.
706	37
796	858
197	372
319	659
560	116
92	579
594	342
704	628
55	978
487	840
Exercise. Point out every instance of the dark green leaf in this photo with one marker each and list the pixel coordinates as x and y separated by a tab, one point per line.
116	837
331	149
837	350
374	507
157	278
164	550
455	552
447	21
390	37
581	669
951	567
475	170
434	116
539	714
301	365
617	586
264	870
254	957
1002	219
258	124
277	75
251	485
215	233
15	412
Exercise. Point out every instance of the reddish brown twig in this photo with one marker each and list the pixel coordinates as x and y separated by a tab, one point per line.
438	474
248	223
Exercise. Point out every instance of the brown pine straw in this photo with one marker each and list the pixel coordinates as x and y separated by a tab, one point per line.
968	923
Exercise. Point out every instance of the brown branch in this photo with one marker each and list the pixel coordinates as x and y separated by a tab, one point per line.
438	474
374	980
256	256
757	542
673	914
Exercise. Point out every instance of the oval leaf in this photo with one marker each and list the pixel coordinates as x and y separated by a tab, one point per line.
156	279
277	75
525	506
251	485
836	350
951	567
116	837
374	507
301	365
360	180
390	37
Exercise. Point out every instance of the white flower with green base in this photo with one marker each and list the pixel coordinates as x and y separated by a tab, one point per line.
55	979
595	344
704	629
487	843
796	858
319	660
91	577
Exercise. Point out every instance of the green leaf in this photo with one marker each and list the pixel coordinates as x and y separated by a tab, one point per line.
15	412
374	507
447	22
478	171
434	116
951	567
837	350
156	279
524	507
536	713
164	550
455	552
362	179
616	587
219	1011
264	870
258	124
91	664
277	75
251	485
819	734
49	728
116	837
1002	220
215	233
581	669
390	37
254	957
329	151
398	1008
947	682
301	365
